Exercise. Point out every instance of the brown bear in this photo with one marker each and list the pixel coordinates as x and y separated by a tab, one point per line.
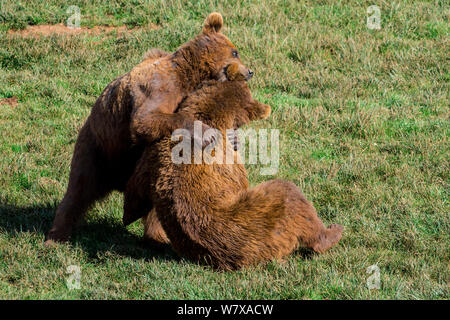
139	106
207	210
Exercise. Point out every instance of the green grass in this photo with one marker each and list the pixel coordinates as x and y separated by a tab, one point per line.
364	123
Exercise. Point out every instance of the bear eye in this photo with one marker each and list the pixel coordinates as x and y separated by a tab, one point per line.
235	54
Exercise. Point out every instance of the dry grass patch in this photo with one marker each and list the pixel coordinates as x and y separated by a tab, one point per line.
9	101
61	29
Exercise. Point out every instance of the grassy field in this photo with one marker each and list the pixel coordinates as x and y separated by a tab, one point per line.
364	125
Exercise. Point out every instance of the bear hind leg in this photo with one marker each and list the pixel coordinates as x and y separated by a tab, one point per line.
328	238
87	184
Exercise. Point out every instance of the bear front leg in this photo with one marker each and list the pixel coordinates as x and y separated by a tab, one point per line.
138	203
156	117
154	234
154	112
154	126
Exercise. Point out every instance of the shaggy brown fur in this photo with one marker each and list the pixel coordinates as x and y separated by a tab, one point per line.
207	210
138	106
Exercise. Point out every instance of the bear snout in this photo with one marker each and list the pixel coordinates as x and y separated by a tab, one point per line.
249	74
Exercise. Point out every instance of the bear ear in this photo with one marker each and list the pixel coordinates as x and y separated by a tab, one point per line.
213	23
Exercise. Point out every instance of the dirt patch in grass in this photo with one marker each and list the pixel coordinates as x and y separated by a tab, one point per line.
61	29
9	101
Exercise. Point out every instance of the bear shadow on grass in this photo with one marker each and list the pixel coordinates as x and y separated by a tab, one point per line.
94	237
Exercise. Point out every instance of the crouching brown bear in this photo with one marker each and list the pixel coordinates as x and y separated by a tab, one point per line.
136	109
207	211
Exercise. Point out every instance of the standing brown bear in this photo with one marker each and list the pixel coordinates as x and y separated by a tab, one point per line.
139	106
207	210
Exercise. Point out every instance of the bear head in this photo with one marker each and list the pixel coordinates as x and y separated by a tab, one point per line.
225	104
213	53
